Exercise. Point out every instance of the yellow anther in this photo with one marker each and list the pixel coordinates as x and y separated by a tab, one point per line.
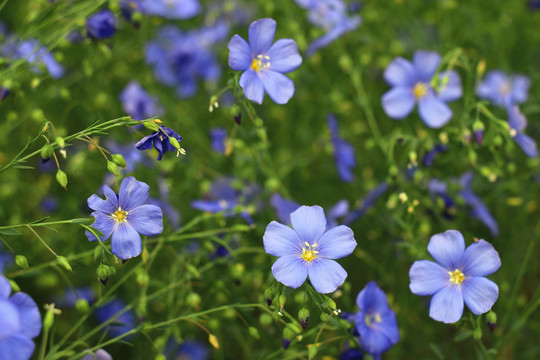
456	276
513	132
260	62
369	319
120	215
308	253
420	90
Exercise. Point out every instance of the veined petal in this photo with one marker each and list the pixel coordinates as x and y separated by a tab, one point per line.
146	219
11	322
284	56
527	144
433	111
447	305
111	196
336	243
261	35
125	242
281	240
398	102
29	314
447	249
5	288
400	73
452	90
145	143
309	223
326	275
372	299
479	294
239	54
520	89
279	87
427	278
480	259
132	193
104	223
290	271
252	86
425	64
16	347
98	204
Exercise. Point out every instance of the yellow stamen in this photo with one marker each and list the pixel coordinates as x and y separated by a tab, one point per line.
260	63
456	276
308	253
120	215
420	90
369	319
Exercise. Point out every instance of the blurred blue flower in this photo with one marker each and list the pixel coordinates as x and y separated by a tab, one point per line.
308	249
70	296
123	323
438	189
163	202
457	277
31	51
4	92
138	103
375	321
49	204
217	139
170	9
263	63
101	25
160	141
124	217
20	322
131	154
193	350
503	90
479	209
343	151
99	354
412	83
430	156
518	123
351	354
366	203
6	258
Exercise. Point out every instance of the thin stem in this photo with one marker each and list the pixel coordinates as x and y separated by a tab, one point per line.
40	239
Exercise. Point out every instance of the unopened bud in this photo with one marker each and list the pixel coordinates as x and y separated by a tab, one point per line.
119	160
213	340
150	126
82	306
491	318
60	141
46	151
254	332
303	316
281	300
112	168
174	142
478	129
103	273
62	179
63	262
22	261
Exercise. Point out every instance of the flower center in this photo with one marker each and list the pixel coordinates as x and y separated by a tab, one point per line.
308	252
456	276
420	90
261	62
120	215
372	318
504	89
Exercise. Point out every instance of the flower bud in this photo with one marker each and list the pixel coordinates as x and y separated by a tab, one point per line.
312	351
63	262
491	318
82	306
213	340
303	316
119	160
47	151
254	332
112	168
103	273
268	296
22	261
60	141
150	125
281	300
62	179
48	321
325	317
478	129
174	142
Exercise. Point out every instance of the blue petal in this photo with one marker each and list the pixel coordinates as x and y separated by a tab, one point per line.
283	207
447	305
29	314
239	54
480	259
290	271
111	196
398	102
427	278
326	275
309	223
213	206
447	249
433	111
16	347
125	242
372	300
98	204
336	243
490	87
284	56
104	223
527	144
261	35
452	90
5	287
252	86
146	219
279	87
344	25
425	64
401	73
520	89
11	322
146	142
516	119
479	294
281	240
100	354
132	193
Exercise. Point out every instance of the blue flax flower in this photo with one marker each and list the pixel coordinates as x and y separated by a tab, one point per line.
343	151
307	250
99	354
412	83
124	217
367	203
375	321
503	90
138	103
20	322
479	209
160	141
458	276
217	137
35	54
518	123
169	9
263	63
101	25
123	318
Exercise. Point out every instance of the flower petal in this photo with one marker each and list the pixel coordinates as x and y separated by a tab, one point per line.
336	243
309	223
527	144
372	299
111	196
261	35
427	278
447	305
252	86
520	89
279	87
11	322
400	73
125	242
290	271
452	90
326	275
145	143
132	193
425	64
281	240
433	111
29	314
98	204
16	347
104	223
480	259
284	56
239	54
447	249
479	294
398	102
146	219
5	287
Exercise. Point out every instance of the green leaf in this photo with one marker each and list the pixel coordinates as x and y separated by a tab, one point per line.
93	230
23	167
9	232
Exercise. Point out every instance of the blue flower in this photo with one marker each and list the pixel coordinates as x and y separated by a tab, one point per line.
412	83
430	156
307	250
457	277
479	209
130	153
343	151
71	296
518	123
375	321
263	63
101	25
193	350
122	323
20	322
367	203
170	9
217	137
124	217
6	259
351	354
138	103
31	51
99	354
503	90
160	141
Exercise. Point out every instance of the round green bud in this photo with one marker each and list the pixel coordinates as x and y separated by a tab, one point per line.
119	160
21	261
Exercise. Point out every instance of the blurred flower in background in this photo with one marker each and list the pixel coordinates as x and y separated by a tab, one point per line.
137	103
101	25
503	90
343	151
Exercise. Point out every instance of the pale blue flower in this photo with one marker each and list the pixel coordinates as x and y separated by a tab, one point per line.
503	90
518	123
